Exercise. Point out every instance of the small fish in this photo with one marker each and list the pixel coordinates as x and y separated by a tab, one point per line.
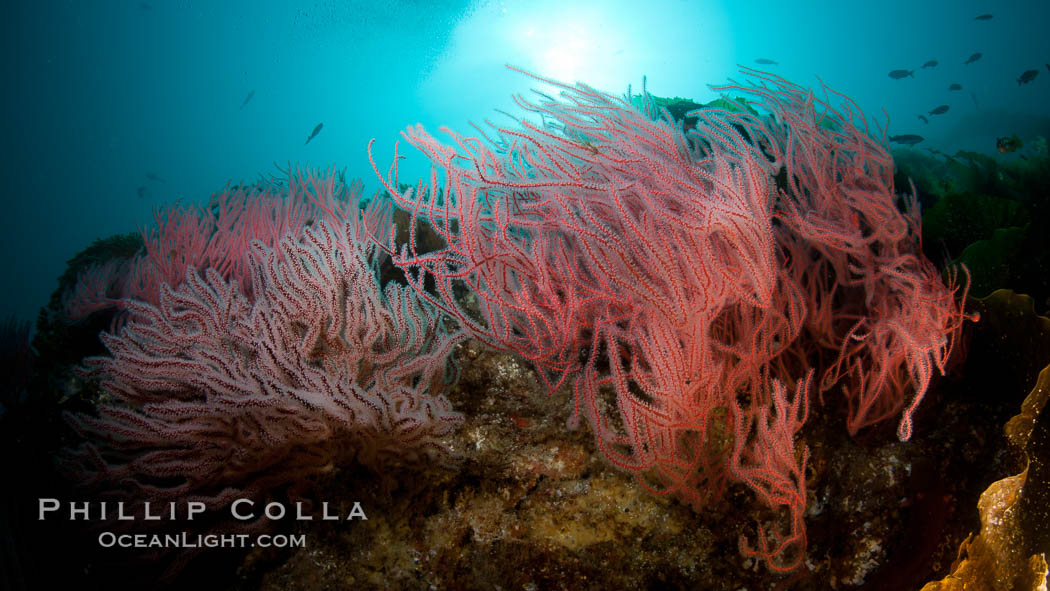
908	139
924	119
248	98
973	95
316	131
983	17
766	62
1027	77
1005	145
973	58
142	191
898	74
154	177
955	86
940	110
930	64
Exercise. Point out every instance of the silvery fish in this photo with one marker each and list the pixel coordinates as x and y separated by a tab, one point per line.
1027	77
316	131
908	139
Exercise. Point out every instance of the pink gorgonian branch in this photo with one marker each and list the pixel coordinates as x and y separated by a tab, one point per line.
683	281
210	395
218	236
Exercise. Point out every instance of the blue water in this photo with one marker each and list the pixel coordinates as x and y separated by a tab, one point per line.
97	94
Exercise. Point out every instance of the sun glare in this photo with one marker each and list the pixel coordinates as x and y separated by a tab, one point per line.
568	50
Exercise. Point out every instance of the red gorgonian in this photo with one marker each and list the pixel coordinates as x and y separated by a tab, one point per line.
687	281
